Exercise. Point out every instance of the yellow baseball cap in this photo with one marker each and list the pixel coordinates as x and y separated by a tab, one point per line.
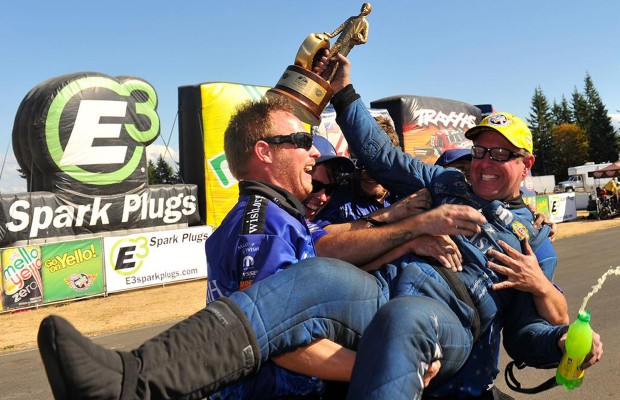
509	126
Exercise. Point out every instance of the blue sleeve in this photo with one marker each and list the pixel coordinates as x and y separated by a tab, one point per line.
317	231
547	258
400	172
256	257
528	338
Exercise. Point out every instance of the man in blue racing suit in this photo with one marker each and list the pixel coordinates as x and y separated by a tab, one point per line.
266	232
509	220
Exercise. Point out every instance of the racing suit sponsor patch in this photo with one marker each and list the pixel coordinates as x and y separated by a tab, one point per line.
254	215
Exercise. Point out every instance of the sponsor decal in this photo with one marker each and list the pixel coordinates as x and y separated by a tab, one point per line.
127	255
21	276
25	217
70	259
426	117
80	282
499	120
520	230
254	218
91	152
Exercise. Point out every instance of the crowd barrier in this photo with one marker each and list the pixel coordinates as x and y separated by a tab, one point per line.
37	275
558	207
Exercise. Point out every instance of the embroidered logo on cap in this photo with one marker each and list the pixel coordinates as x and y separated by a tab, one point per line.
499	120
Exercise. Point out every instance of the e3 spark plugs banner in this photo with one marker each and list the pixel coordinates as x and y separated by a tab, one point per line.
80	140
153	258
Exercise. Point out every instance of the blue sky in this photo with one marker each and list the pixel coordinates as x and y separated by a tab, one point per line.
475	51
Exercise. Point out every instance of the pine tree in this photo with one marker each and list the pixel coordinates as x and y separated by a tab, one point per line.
150	167
540	123
580	110
603	144
561	112
161	173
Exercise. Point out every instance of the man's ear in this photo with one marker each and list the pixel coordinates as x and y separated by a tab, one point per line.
528	162
263	152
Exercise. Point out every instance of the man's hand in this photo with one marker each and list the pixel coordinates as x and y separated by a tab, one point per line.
449	219
431	372
541	219
413	204
441	248
522	271
323	67
595	354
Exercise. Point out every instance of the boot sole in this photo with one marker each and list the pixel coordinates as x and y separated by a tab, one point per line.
46	339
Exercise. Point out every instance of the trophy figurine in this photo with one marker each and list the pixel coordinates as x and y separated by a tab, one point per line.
309	93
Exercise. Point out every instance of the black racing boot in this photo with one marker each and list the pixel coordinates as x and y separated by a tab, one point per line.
214	347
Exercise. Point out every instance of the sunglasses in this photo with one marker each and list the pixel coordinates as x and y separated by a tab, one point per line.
496	153
302	140
328	187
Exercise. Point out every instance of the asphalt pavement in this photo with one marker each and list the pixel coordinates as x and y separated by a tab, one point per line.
583	259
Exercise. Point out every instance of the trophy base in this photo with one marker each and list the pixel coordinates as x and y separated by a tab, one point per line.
307	92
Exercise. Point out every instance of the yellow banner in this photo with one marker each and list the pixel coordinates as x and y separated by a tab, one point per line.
219	101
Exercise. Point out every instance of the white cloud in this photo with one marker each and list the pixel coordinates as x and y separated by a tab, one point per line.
153	152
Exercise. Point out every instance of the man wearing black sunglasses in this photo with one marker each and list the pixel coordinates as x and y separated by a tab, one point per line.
493	260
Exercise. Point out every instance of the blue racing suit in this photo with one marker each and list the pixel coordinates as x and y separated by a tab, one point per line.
265	232
511	221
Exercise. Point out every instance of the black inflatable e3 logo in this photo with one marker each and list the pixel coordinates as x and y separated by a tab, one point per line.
94	132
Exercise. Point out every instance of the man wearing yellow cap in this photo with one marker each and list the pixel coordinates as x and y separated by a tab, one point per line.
419	324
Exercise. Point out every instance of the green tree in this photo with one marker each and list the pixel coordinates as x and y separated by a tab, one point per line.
177	174
540	122
150	168
580	109
161	173
603	143
571	146
561	112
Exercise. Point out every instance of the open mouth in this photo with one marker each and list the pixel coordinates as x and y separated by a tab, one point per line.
488	177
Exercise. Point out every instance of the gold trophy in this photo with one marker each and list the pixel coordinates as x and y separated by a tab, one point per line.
309	93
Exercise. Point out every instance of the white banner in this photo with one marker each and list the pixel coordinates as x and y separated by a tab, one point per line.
153	258
562	207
